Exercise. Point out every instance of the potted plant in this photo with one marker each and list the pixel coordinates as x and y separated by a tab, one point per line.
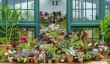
56	58
80	57
50	52
22	56
43	48
70	53
87	57
10	54
104	26
36	58
9	21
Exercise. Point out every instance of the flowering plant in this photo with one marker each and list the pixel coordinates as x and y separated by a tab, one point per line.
22	56
10	52
70	52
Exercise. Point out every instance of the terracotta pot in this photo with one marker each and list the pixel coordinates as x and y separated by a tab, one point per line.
36	61
104	54
49	60
57	61
10	59
5	47
62	60
31	60
70	59
97	58
80	60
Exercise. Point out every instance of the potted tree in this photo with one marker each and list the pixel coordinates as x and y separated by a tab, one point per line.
9	21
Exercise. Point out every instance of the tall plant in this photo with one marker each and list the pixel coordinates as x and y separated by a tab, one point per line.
9	21
104	26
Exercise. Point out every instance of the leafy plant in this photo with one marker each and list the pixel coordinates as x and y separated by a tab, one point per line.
56	57
70	52
50	49
3	40
43	46
87	56
3	58
9	21
104	24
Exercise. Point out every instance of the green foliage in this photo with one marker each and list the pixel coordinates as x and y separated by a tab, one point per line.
24	46
78	44
3	40
56	57
9	20
70	52
104	24
3	58
43	46
25	59
87	56
37	58
50	49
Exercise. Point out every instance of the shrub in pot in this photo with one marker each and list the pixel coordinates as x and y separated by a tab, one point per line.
70	53
9	21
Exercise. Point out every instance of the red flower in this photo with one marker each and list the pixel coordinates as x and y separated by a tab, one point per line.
22	40
84	35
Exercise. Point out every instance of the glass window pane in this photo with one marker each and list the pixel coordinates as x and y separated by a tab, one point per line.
17	4
30	15
107	6
24	15
24	4
30	4
92	33
11	3
95	33
85	10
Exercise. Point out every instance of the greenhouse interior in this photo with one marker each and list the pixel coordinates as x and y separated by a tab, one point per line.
54	31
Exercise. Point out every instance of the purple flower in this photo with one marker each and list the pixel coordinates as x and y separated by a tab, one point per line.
48	56
36	55
63	45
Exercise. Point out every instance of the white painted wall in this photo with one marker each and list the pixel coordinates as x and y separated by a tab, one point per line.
46	5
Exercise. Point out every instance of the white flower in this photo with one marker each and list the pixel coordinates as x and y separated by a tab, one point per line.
6	53
9	51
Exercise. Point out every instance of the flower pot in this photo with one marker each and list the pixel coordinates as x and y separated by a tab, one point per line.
70	59
62	60
6	47
36	61
104	54
49	60
31	60
80	60
97	58
10	59
57	61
